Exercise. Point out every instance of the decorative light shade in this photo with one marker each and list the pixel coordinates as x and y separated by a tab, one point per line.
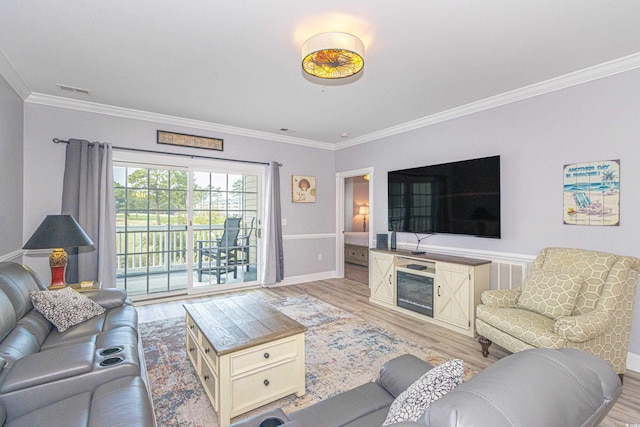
58	232
364	210
333	55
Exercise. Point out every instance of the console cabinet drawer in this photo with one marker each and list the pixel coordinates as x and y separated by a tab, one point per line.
264	355
252	390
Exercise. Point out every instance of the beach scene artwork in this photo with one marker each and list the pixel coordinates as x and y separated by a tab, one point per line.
592	193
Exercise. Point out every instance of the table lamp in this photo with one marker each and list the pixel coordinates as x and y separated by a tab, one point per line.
58	232
364	211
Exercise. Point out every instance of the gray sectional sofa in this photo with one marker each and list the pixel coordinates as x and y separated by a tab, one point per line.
538	387
91	374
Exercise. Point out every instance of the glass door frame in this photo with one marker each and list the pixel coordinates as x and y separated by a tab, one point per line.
229	168
191	165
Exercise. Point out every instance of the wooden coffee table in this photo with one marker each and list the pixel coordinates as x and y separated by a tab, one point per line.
246	353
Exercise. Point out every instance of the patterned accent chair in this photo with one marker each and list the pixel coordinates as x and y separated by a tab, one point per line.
570	298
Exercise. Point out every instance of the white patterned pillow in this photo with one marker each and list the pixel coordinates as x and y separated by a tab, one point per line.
65	308
549	293
415	400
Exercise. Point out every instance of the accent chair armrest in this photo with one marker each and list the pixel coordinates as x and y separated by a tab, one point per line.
500	298
108	298
584	327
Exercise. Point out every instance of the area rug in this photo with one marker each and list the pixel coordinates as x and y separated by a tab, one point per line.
342	352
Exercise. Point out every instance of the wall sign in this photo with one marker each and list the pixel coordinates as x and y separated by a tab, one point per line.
185	140
303	189
592	193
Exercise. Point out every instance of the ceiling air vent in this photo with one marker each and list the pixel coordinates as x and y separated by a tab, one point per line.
66	88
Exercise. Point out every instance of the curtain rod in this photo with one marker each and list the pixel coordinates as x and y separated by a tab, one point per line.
193	156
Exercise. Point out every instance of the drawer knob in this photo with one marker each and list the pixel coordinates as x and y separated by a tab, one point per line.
207	350
191	349
191	327
266	355
266	383
206	377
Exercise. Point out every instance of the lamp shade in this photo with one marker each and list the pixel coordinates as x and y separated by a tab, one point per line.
333	55
364	210
58	231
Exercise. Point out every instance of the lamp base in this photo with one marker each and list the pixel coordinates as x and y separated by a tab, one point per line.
58	264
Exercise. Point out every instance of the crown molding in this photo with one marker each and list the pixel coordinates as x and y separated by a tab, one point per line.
165	119
8	71
627	63
596	72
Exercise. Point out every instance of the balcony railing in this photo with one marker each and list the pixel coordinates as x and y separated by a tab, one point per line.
157	248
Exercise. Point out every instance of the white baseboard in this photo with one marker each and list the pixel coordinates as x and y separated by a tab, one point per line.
294	280
633	362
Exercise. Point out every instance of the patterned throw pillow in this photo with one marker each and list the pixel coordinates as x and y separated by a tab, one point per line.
415	400
548	293
65	308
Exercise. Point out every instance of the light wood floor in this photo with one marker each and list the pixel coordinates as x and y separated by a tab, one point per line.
354	297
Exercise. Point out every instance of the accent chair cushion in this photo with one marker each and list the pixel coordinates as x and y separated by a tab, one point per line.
415	400
549	293
65	308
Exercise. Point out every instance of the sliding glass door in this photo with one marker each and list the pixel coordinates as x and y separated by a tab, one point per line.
225	217
186	228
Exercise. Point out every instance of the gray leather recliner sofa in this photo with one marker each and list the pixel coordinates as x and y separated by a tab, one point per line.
539	387
92	374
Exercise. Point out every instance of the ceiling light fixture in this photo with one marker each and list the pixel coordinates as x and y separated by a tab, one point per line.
333	55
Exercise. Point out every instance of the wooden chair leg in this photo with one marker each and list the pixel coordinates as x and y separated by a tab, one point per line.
621	378
484	343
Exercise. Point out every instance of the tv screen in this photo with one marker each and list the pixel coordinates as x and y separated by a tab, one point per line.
458	198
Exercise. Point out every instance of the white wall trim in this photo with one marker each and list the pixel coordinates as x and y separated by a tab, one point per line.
8	71
470	253
11	256
620	65
294	280
165	119
309	236
599	71
633	362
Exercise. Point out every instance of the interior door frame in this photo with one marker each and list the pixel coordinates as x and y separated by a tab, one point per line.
340	209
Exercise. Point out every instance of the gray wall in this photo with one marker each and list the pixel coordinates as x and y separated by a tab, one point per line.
305	220
11	161
535	138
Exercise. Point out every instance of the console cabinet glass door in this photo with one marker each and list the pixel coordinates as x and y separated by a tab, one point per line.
452	296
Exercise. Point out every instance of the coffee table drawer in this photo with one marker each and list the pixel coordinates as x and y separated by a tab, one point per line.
264	355
255	389
209	353
210	382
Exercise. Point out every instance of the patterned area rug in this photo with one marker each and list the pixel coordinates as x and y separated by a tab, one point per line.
342	352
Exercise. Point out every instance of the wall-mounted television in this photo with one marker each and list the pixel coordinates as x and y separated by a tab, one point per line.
458	198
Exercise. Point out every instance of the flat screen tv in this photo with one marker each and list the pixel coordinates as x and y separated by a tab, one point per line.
457	198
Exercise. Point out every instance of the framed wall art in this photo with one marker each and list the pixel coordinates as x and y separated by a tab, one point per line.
303	189
185	140
592	193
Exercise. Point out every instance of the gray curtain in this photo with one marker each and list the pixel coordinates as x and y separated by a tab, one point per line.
272	270
87	195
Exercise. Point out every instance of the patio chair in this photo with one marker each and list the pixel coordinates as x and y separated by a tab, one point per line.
242	252
221	256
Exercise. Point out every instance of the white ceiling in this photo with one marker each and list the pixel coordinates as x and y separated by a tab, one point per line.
237	63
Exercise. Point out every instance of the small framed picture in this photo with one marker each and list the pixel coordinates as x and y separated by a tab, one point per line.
303	189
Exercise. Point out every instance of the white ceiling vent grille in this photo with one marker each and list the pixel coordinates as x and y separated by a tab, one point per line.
67	88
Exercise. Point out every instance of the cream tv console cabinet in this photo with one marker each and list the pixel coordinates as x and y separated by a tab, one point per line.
440	289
